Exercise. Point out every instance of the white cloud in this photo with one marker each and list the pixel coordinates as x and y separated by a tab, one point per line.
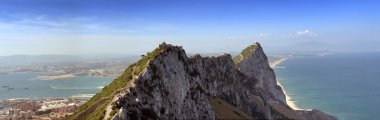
44	24
305	33
238	37
263	34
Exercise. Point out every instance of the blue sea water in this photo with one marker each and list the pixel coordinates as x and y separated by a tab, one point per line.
27	85
346	85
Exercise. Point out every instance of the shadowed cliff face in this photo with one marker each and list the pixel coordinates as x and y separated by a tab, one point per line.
175	86
254	64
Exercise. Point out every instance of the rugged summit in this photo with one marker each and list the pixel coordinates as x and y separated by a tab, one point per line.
167	84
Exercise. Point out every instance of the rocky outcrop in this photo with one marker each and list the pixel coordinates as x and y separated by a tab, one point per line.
254	64
175	86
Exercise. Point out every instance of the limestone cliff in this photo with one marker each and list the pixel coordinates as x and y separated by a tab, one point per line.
171	85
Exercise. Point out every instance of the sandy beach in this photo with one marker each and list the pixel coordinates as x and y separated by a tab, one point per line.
289	101
55	77
274	63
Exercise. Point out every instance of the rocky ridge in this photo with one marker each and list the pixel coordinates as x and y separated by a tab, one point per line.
171	85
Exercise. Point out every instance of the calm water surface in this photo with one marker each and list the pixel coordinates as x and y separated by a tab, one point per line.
346	85
27	85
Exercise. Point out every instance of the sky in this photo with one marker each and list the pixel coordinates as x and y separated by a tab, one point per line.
39	27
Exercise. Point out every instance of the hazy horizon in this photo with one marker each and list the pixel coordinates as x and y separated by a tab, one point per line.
104	59
71	27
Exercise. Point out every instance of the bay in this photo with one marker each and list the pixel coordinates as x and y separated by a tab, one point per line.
346	85
27	85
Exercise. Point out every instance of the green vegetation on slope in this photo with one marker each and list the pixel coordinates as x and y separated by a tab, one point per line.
246	52
94	109
224	110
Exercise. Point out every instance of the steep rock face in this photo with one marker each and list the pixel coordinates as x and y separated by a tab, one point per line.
253	63
174	86
167	84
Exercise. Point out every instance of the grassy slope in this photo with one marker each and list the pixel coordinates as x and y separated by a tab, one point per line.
94	109
224	110
245	53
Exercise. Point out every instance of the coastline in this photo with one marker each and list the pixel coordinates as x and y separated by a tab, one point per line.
55	77
64	76
289	100
274	63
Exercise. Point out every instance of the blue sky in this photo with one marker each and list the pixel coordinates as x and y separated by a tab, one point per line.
36	27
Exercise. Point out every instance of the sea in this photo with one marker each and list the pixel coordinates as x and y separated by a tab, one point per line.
345	85
28	85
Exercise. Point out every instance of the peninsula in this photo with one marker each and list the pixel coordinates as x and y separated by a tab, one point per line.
167	84
55	77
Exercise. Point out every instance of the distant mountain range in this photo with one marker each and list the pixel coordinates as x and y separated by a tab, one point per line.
16	60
